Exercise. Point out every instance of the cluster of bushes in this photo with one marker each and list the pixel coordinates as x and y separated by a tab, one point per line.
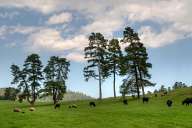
9	93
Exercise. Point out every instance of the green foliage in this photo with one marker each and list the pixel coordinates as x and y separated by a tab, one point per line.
56	73
96	54
162	89
128	87
11	93
179	85
135	59
28	79
109	113
114	56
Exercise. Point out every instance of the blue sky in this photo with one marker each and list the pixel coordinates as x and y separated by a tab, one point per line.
61	27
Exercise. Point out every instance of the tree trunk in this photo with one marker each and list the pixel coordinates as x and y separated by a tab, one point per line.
136	81
123	96
141	82
114	90
100	90
54	96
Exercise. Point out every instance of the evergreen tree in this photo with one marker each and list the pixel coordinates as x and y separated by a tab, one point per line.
136	60
115	54
128	87
28	79
96	54
56	73
33	72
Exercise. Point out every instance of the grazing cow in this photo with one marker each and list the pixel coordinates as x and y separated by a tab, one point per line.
92	104
145	99
57	105
73	106
155	95
162	95
16	110
125	101
169	103
133	96
187	101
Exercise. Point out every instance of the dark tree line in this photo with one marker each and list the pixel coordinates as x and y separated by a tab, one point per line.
33	81
106	58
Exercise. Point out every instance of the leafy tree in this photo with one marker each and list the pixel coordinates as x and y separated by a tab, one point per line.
162	89
20	80
169	89
179	85
155	91
128	87
33	74
96	55
56	73
136	60
132	57
115	55
11	93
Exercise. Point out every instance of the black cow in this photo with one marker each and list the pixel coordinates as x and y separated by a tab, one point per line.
155	95
169	103
187	101
125	101
92	104
57	105
145	99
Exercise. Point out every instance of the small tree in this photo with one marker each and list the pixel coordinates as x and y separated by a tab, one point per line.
20	80
33	71
128	87
162	89
11	93
28	79
96	55
56	73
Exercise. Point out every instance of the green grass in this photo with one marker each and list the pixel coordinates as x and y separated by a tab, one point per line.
109	113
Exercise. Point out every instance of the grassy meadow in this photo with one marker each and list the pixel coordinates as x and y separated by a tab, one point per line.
109	113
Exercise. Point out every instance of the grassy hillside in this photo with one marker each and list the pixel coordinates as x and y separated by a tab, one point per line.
109	113
69	96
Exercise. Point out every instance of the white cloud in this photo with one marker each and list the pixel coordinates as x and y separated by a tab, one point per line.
44	6
51	39
154	39
60	18
74	56
25	30
173	16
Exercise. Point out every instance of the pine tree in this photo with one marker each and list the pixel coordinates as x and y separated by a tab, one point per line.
33	73
115	54
95	54
56	73
136	58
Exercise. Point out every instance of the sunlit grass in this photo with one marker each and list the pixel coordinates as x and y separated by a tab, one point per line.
109	113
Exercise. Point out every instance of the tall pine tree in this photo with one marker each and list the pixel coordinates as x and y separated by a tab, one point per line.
136	57
114	56
95	54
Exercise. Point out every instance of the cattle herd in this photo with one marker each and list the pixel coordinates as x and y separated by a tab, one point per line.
169	103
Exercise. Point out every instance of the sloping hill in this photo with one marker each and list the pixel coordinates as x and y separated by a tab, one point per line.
109	113
69	96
